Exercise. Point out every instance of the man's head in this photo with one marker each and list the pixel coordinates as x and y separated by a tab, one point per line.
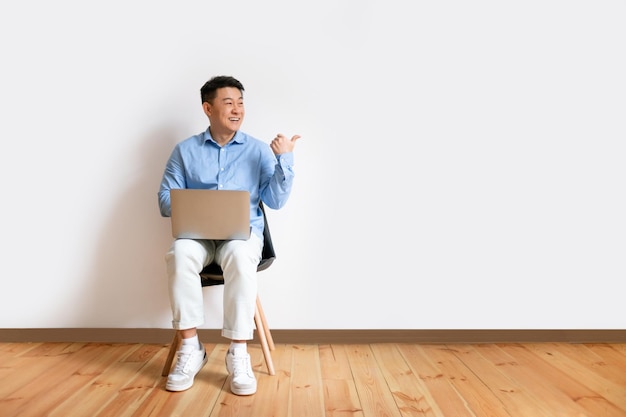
222	101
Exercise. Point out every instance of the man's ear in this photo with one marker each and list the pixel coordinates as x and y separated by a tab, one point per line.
206	106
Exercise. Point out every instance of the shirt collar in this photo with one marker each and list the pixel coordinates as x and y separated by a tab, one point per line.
239	137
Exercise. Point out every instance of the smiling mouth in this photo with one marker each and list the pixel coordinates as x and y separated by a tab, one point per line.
234	119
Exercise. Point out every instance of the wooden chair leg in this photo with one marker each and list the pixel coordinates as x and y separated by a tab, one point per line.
268	334
170	356
261	331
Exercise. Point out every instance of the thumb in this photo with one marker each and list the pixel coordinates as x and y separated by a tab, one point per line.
295	138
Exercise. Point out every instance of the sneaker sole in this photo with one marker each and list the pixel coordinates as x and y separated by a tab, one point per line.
248	391
176	388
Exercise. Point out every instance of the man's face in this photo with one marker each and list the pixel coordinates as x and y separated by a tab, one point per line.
227	111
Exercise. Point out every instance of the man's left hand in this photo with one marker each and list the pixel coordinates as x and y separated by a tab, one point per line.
280	144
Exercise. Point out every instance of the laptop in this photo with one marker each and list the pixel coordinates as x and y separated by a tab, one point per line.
210	214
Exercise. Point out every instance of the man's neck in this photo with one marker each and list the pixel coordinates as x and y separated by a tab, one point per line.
221	138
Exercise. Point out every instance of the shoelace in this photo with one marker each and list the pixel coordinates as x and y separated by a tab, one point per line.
241	365
182	362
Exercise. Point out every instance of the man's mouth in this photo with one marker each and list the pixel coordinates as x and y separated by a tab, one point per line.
233	119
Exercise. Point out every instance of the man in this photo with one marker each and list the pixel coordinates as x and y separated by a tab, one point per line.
224	158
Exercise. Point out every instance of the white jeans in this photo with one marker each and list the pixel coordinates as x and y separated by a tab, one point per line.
239	260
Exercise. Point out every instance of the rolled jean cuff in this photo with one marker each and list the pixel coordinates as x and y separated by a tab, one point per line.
192	324
229	334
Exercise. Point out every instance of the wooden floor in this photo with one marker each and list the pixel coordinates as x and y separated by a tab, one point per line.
368	380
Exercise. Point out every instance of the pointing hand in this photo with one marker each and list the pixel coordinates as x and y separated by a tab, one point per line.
280	144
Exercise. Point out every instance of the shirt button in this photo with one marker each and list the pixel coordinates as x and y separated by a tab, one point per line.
221	186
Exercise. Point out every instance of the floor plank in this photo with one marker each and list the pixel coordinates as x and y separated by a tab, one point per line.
374	395
340	395
409	392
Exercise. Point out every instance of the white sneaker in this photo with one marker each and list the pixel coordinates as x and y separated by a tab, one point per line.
238	365
189	361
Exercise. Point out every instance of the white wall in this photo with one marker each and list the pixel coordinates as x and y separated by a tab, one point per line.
461	163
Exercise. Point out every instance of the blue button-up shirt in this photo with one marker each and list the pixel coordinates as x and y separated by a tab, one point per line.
244	163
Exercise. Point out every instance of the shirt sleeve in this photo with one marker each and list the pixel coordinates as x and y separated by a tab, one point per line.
278	188
173	177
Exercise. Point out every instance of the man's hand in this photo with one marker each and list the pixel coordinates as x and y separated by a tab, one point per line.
280	144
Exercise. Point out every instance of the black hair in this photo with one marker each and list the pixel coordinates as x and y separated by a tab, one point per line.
209	89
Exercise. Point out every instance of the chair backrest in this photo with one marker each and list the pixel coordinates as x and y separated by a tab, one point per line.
212	274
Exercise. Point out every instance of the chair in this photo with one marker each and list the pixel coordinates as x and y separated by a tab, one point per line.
211	275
